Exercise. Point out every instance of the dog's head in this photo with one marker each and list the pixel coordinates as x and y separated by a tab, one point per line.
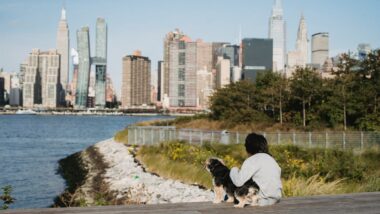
212	163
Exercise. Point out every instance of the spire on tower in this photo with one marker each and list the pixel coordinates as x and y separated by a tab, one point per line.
63	14
278	4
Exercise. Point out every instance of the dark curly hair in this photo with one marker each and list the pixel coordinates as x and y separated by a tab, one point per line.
256	143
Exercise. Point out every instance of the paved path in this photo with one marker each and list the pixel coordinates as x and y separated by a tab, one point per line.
363	203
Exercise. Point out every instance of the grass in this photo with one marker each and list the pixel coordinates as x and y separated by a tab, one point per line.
184	172
122	136
305	171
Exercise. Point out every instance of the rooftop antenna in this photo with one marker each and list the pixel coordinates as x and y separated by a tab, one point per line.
239	39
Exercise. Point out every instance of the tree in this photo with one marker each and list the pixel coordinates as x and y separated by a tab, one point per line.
272	88
305	86
236	103
343	84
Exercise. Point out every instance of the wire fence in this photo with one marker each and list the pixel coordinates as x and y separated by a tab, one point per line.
150	135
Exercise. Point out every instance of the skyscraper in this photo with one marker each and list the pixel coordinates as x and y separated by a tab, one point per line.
63	43
183	73
277	32
83	40
2	91
300	56
41	81
100	62
136	90
257	56
223	72
171	37
319	48
160	74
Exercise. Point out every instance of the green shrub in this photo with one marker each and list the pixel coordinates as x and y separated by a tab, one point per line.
6	197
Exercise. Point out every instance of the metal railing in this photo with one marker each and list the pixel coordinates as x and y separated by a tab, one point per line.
149	135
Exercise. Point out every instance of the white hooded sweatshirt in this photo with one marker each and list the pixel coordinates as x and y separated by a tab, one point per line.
263	170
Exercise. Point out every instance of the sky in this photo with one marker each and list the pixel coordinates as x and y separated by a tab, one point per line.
143	24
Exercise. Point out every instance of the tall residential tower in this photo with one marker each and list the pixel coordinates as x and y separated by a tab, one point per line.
83	40
100	61
277	32
63	43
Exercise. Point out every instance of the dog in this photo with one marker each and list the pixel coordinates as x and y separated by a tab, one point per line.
246	194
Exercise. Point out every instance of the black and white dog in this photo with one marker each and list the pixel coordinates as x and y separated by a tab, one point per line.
246	194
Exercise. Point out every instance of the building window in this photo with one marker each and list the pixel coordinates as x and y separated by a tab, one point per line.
181	90
181	74
181	45
181	103
182	58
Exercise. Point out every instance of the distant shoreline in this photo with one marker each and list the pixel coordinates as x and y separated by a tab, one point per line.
100	114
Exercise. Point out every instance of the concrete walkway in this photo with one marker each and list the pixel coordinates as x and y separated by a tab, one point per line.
363	203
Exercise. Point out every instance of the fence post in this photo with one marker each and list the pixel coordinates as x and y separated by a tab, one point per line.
170	134
310	143
135	130
278	137
237	137
294	138
212	136
327	140
361	140
265	134
344	140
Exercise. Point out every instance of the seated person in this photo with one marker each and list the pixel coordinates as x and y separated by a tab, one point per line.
261	168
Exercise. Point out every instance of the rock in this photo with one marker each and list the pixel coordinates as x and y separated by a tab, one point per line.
127	179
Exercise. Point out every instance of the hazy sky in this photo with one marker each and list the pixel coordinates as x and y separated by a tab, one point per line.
142	24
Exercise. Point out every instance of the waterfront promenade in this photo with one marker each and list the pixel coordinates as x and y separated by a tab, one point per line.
364	203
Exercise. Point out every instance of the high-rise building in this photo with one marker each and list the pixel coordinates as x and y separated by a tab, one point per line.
363	51
160	78
136	89
83	40
257	56
41	81
7	81
232	53
73	84
100	62
183	74
110	93
15	96
300	56
63	43
319	48
171	37
91	90
277	32
2	92
204	87
223	70
183	58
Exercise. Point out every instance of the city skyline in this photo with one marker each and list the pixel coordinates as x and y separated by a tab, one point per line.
22	33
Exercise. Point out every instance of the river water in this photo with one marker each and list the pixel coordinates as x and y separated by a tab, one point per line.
31	145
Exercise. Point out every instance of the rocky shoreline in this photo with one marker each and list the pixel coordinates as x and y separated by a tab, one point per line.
108	174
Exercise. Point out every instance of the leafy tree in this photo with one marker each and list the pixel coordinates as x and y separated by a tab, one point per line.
236	103
305	85
343	85
6	197
272	91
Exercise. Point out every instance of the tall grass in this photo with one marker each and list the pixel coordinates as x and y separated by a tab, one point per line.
305	171
315	185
